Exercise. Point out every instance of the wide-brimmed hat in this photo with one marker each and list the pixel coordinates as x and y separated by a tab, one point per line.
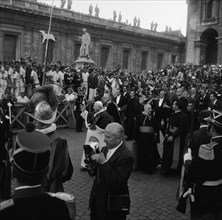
31	154
43	105
215	118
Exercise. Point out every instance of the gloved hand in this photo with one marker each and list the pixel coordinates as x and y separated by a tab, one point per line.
187	156
189	193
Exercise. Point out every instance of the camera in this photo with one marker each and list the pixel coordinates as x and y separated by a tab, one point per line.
89	150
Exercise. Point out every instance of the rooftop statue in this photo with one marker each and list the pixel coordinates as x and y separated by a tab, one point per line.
97	11
90	9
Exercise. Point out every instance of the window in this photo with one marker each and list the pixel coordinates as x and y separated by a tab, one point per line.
159	60
76	50
144	60
126	54
211	9
10	42
50	50
104	56
173	58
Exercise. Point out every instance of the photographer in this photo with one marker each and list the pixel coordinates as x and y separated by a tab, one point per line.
115	164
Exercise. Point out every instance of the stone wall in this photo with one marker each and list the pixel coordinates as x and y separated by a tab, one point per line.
31	17
197	24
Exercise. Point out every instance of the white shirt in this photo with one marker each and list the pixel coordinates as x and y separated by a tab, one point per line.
69	97
112	151
117	99
160	101
21	99
85	76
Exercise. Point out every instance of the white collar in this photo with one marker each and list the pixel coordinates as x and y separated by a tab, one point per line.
102	110
203	126
112	151
177	111
27	187
49	129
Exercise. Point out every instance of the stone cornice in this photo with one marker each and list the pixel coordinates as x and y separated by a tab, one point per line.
38	8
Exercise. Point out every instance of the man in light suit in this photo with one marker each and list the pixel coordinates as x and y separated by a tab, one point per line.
115	164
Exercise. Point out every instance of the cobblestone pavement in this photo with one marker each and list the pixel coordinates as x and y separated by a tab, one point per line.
153	197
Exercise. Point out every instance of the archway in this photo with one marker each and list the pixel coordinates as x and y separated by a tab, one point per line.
209	36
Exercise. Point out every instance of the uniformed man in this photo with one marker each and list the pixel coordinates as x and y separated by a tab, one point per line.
30	163
206	174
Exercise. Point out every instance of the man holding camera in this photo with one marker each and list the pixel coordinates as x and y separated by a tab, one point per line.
115	164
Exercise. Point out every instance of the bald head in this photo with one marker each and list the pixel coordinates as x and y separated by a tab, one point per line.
98	106
114	133
115	130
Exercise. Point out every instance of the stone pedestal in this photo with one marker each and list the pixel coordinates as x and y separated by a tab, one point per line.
83	61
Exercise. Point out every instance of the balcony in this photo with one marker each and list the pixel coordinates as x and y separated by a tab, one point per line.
209	21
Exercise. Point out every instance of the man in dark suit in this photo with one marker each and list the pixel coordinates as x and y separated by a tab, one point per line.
111	108
121	102
30	163
162	111
204	100
126	94
115	164
215	103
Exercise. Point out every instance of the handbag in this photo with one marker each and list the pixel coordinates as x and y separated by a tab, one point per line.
118	203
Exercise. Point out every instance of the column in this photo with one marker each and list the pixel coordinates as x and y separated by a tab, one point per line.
200	52
219	51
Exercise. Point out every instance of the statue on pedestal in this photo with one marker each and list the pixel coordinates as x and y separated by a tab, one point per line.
138	22
135	21
152	26
90	9
62	3
97	11
120	17
69	5
114	15
85	44
155	26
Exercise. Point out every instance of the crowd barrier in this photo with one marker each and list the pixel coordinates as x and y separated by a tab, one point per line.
65	116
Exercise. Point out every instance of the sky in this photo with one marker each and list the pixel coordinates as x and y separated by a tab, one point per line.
165	12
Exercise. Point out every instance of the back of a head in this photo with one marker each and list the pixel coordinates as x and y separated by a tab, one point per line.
30	156
99	104
203	115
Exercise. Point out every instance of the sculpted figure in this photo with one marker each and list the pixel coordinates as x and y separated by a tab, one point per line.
85	44
90	9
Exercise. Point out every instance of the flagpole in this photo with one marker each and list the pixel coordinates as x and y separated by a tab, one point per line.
46	46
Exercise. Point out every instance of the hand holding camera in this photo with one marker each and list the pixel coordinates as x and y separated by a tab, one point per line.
99	158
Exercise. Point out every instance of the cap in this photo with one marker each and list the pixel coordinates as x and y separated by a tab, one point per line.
31	153
215	118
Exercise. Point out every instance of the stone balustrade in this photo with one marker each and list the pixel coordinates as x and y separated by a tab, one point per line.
65	14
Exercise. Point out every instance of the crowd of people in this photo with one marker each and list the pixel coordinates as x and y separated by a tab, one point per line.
117	106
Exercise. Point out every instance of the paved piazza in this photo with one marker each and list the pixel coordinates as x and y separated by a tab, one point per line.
152	196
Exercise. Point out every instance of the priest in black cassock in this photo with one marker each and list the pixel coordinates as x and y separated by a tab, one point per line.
133	109
145	136
173	145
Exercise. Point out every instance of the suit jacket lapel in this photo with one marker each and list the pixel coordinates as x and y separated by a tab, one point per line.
118	151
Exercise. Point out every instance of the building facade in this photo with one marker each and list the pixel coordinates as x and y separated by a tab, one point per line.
204	32
113	42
